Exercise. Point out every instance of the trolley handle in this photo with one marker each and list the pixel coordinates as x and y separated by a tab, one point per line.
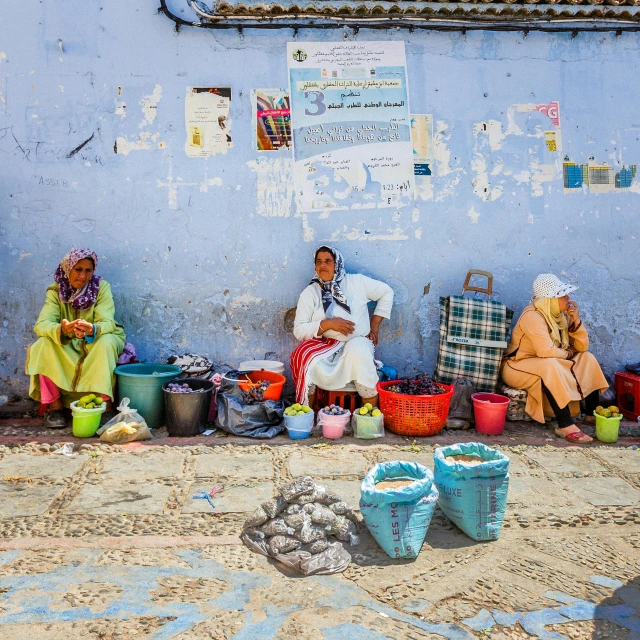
477	272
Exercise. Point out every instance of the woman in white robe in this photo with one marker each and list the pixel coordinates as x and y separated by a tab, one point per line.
338	336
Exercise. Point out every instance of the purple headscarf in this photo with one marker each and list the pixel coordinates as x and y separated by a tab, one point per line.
80	299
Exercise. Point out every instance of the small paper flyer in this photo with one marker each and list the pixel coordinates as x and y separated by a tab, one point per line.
206	116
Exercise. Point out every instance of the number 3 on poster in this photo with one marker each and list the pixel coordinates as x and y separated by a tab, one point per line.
318	103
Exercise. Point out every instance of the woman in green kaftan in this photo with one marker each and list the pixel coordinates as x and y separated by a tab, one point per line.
79	340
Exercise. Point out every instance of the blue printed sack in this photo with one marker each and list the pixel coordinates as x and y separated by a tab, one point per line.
473	496
398	518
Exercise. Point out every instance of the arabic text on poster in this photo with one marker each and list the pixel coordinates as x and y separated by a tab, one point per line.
351	125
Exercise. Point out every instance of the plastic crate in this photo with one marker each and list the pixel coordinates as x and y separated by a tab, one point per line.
628	391
414	415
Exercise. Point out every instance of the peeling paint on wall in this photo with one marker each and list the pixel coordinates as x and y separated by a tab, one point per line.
274	190
542	168
173	186
146	142
150	105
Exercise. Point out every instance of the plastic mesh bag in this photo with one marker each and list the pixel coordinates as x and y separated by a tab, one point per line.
126	426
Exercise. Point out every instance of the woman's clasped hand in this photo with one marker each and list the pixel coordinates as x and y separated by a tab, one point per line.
78	328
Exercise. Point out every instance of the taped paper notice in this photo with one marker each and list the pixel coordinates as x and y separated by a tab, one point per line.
351	133
550	139
271	119
422	142
206	116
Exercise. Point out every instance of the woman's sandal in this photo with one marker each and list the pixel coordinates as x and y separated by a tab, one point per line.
576	437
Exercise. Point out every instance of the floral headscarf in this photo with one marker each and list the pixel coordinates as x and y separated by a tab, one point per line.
331	291
80	299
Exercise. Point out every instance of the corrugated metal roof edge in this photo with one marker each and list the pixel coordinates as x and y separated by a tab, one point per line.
432	15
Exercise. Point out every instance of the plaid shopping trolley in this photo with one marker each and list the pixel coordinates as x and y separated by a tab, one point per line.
473	336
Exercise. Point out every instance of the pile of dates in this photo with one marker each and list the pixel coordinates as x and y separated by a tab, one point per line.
421	385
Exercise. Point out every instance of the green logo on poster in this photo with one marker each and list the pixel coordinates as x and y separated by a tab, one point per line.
299	55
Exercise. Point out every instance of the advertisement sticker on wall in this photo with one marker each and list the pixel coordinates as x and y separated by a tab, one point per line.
351	126
206	117
271	119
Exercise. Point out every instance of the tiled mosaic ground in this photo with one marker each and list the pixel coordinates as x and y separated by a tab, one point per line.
566	566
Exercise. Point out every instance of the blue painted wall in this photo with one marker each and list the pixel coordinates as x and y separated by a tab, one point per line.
205	255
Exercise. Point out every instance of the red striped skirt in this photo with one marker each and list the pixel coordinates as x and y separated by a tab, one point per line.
303	358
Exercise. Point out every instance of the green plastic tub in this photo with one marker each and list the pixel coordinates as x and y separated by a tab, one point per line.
607	428
86	421
142	384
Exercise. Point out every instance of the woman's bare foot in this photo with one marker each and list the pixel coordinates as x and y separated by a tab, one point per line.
573	434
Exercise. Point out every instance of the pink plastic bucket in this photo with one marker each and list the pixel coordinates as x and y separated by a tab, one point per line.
333	426
490	410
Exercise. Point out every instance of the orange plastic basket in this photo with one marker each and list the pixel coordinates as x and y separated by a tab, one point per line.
274	390
414	415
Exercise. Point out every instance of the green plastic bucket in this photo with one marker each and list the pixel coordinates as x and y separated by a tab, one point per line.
607	428
86	421
142	384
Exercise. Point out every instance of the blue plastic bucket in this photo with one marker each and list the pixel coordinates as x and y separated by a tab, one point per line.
142	384
299	427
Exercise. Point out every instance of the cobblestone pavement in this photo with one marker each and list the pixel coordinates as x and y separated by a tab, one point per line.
111	544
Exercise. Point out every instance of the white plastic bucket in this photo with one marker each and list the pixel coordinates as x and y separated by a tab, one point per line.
258	365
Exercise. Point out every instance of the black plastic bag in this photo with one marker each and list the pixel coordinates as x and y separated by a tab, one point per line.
609	396
461	407
259	420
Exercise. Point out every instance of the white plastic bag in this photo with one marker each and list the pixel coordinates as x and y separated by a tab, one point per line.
127	426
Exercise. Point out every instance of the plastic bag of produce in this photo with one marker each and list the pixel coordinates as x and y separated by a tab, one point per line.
126	426
283	544
300	486
397	500
333	559
277	527
368	427
310	533
274	506
296	520
322	515
473	481
256	518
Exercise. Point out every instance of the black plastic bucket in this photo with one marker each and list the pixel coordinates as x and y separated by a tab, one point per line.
187	412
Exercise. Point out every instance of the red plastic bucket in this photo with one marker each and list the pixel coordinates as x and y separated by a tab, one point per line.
490	410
